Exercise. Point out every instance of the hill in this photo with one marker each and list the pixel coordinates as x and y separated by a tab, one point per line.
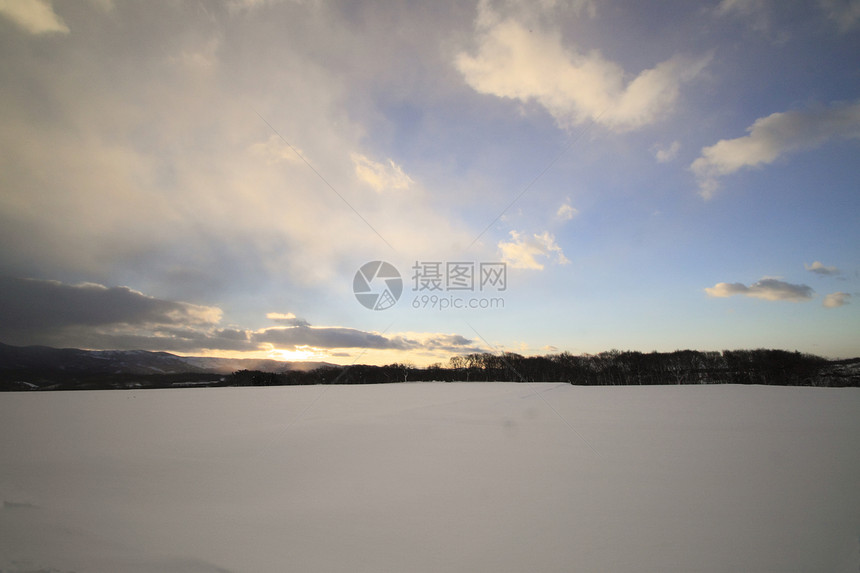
23	367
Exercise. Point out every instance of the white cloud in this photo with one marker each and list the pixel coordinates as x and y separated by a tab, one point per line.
845	13
34	16
287	318
667	154
205	190
566	212
819	268
280	316
380	176
773	136
513	61
836	299
766	289
522	252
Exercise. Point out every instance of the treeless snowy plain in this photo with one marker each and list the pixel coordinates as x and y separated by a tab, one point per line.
481	477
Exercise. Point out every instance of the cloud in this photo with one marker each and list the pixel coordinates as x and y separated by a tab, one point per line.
766	289
667	154
845	13
744	7
773	136
836	299
513	61
818	268
775	18
437	342
329	337
287	318
380	176
522	252
241	5
105	5
95	316
447	341
34	16
169	174
566	212
32	303
326	337
275	150
534	11
756	13
158	339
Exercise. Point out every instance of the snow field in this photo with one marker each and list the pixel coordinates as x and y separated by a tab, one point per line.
431	477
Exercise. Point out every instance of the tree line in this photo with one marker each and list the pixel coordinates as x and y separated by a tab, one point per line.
611	368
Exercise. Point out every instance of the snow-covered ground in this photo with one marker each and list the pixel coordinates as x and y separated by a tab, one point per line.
431	477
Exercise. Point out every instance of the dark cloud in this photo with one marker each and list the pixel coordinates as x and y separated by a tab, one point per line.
98	317
338	337
451	342
167	341
39	304
95	316
123	337
328	337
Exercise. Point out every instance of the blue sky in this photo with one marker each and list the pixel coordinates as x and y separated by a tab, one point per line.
207	177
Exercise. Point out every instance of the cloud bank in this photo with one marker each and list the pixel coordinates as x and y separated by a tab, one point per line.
95	316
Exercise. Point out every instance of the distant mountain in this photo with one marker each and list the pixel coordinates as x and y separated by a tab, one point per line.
229	365
44	360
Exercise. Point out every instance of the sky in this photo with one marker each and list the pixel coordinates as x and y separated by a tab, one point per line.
213	178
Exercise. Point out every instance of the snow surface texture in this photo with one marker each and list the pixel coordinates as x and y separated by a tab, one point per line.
434	477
